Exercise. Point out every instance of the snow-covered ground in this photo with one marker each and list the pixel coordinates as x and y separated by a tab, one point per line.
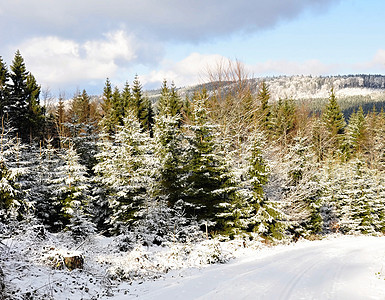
337	268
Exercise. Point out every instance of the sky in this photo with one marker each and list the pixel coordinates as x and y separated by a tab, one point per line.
71	45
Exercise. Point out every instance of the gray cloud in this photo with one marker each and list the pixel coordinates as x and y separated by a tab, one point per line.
167	20
66	42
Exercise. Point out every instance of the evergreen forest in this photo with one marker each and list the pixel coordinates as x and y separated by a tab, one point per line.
222	161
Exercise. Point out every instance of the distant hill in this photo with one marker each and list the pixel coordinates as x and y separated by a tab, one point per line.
351	90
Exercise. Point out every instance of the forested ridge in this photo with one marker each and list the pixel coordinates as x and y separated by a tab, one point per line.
225	162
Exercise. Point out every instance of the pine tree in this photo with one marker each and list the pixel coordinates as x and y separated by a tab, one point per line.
142	107
253	212
72	190
127	100
169	150
208	181
147	116
163	102
357	132
264	112
107	120
137	97
334	123
305	207
44	164
82	129
4	76
35	111
175	101
60	118
283	118
124	169
349	192
12	203
16	107
117	107
79	112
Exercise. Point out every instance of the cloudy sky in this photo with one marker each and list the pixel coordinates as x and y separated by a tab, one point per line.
77	44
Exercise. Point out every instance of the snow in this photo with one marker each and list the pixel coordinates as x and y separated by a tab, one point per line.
349	267
337	267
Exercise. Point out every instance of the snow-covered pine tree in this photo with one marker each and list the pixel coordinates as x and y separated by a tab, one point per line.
334	122
124	168
169	151
12	202
39	184
72	194
209	185
282	120
355	202
305	209
4	77
82	129
162	104
261	215
356	133
107	122
264	111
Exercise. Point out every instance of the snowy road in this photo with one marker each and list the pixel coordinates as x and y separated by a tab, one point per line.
340	268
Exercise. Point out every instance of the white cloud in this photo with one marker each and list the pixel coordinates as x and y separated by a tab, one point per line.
374	65
379	59
193	69
55	61
189	71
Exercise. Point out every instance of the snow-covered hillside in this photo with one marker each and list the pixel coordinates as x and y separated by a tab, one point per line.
337	268
308	87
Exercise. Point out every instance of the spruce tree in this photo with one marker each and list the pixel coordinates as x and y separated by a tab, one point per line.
4	76
10	173
16	107
334	123
264	112
305	207
44	170
107	120
175	101
123	167
79	112
356	132
127	100
117	107
163	102
147	116
142	107
137	97
72	191
35	111
253	212
208	180
60	117
283	118
169	150
349	192
82	129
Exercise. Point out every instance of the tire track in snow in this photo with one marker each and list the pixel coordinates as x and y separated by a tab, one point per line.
292	284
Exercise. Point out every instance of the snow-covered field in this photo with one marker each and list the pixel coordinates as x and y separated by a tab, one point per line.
339	267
